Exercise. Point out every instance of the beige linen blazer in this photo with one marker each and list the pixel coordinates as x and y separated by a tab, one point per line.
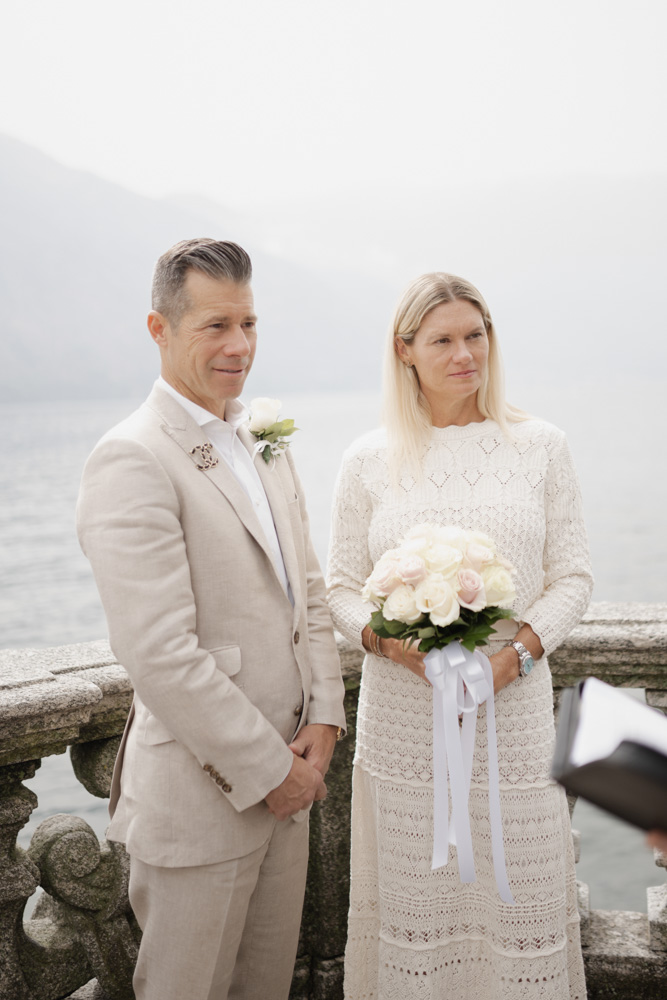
225	670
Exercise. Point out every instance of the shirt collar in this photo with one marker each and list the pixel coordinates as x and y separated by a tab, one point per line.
236	413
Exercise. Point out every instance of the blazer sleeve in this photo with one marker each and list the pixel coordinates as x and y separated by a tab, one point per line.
129	527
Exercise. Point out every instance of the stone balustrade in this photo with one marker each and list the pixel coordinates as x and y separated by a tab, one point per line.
81	939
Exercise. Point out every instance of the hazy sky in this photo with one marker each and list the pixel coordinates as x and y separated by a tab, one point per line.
268	100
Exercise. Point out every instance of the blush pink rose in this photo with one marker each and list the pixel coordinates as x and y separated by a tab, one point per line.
471	590
386	578
383	580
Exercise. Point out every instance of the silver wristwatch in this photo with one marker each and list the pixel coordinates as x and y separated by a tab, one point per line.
526	662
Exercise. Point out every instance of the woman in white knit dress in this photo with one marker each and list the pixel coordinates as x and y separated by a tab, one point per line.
453	452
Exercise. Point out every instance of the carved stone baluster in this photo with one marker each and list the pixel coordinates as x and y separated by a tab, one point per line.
43	958
19	877
86	883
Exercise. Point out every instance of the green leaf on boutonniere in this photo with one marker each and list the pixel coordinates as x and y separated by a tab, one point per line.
266	454
287	427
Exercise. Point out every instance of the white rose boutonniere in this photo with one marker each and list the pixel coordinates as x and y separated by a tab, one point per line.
272	434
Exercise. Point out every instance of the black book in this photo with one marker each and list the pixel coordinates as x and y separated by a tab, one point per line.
612	750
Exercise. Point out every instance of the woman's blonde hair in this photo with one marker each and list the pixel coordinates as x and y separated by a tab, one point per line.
407	414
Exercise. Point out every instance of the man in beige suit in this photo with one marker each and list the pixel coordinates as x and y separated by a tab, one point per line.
215	605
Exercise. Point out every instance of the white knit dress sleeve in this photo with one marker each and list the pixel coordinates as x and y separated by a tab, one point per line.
568	579
349	563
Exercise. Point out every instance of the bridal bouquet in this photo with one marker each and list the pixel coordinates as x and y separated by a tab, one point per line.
441	585
444	588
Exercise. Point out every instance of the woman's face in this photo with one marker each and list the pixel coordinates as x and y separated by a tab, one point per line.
449	353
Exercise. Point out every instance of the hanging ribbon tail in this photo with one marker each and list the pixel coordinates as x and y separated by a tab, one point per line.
442	669
461	682
458	768
440	797
495	815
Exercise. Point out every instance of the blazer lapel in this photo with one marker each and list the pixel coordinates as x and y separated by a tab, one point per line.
277	495
187	433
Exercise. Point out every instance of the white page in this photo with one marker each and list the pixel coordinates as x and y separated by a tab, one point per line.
607	716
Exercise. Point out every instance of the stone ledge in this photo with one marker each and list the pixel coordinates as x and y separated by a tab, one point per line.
57	696
619	962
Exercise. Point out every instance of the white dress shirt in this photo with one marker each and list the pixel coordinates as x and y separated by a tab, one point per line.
222	435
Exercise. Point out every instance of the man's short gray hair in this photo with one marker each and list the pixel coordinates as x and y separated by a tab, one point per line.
216	258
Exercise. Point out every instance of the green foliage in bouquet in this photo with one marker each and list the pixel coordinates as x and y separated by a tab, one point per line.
471	629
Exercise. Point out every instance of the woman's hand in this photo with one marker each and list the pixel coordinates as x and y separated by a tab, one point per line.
397	651
505	663
406	656
505	666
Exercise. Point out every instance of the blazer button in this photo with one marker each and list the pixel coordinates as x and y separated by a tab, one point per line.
297	709
220	781
296	638
226	787
214	774
208	768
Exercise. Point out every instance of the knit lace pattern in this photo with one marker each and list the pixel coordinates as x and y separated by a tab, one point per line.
414	933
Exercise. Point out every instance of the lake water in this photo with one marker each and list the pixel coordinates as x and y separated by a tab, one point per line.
48	597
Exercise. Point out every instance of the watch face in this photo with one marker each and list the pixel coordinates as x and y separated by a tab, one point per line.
528	664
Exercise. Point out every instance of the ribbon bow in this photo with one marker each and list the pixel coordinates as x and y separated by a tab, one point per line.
461	682
275	448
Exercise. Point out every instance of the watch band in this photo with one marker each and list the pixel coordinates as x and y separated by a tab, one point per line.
526	661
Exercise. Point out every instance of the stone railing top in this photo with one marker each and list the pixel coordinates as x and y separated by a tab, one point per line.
52	697
73	694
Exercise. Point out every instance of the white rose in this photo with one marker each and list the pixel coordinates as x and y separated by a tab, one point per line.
477	555
443	559
436	597
263	413
400	606
451	535
418	539
498	585
411	569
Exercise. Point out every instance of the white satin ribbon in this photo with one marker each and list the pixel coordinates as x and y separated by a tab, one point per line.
276	447
461	682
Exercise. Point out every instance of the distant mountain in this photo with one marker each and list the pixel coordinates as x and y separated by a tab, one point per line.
76	260
572	268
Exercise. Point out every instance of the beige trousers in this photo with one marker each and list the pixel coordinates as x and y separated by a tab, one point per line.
227	931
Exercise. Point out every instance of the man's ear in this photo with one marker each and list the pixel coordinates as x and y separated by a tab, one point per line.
157	327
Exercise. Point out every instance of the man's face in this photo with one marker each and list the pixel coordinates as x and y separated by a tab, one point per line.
207	354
